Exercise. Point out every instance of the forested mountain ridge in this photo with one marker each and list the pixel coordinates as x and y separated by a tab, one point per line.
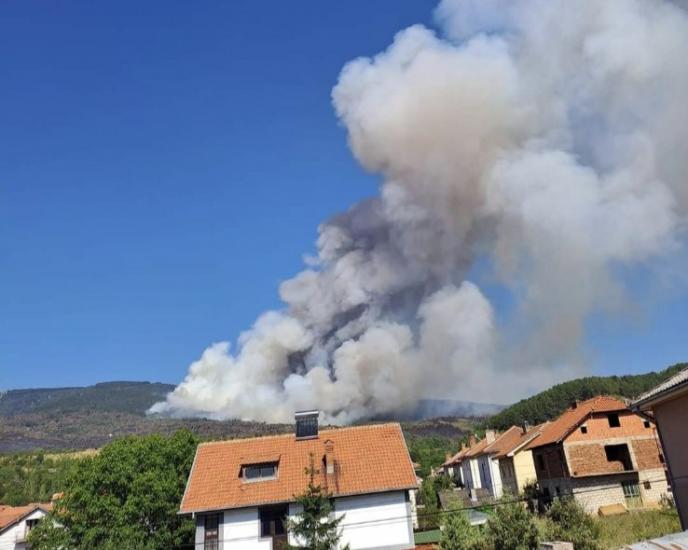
125	397
550	403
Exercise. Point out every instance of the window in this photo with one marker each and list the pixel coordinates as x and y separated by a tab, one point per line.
613	419
647	485
540	462
211	540
661	458
306	425
31	523
619	454
646	423
584	429
631	491
256	472
272	525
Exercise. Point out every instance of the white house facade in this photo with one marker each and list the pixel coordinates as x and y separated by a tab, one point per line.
16	523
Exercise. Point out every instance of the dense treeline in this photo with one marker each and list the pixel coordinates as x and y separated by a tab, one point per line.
552	402
28	478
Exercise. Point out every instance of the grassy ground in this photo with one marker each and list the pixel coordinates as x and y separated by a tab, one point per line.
629	528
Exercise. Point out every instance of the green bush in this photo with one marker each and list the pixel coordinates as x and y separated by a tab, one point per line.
512	527
567	521
459	534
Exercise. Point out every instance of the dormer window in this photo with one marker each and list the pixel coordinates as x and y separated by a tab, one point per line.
258	472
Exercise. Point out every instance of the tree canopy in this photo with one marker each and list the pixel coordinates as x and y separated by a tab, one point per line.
127	496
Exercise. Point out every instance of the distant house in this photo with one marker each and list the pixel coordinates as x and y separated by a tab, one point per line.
668	405
601	453
514	463
16	523
242	491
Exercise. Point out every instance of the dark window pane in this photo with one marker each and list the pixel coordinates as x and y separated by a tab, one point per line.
613	419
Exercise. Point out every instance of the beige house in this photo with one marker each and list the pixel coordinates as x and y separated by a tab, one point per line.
667	404
516	465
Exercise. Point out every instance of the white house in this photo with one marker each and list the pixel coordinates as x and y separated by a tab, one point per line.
242	491
17	521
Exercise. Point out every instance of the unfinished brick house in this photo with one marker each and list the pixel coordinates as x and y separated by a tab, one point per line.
603	454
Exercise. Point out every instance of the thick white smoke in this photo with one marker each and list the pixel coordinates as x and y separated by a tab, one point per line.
543	140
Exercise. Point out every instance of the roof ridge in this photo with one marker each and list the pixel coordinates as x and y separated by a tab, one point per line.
291	434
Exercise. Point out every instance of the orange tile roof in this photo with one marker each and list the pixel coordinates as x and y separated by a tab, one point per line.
476	449
504	441
512	440
9	515
367	459
558	429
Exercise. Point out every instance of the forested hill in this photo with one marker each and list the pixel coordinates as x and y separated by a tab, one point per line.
125	397
551	403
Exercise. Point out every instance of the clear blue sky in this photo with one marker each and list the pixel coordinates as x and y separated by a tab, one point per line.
163	165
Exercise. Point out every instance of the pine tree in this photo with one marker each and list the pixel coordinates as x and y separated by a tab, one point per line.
315	528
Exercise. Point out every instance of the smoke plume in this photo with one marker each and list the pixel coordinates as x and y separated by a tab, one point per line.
539	145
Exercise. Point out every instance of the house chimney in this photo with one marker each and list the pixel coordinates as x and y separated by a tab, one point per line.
574	405
471	440
306	424
489	436
526	427
463	446
329	457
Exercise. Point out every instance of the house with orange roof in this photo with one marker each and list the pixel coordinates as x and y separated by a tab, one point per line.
601	453
516	464
241	492
16	523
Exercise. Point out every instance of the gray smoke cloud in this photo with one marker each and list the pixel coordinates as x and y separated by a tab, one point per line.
540	141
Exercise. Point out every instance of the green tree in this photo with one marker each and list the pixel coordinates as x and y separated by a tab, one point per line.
428	517
566	520
127	496
459	534
512	527
315	527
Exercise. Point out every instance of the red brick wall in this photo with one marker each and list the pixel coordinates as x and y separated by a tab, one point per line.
647	454
598	427
591	459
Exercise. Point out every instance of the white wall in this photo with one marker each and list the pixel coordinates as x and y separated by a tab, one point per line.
241	531
381	520
8	540
376	521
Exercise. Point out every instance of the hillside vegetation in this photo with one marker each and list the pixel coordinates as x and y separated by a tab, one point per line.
126	397
551	403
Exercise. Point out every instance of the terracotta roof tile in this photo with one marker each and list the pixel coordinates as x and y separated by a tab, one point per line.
558	429
476	449
368	459
513	439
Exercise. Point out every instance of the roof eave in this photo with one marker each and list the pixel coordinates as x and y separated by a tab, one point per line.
665	395
271	502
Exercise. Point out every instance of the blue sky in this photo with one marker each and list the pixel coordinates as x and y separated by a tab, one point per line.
164	165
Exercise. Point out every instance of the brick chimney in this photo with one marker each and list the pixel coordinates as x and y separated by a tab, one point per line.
490	436
329	467
526	427
471	440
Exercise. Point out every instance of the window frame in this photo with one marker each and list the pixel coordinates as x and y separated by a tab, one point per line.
263	471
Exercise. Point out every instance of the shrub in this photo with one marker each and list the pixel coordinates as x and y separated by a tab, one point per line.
459	534
567	521
512	527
